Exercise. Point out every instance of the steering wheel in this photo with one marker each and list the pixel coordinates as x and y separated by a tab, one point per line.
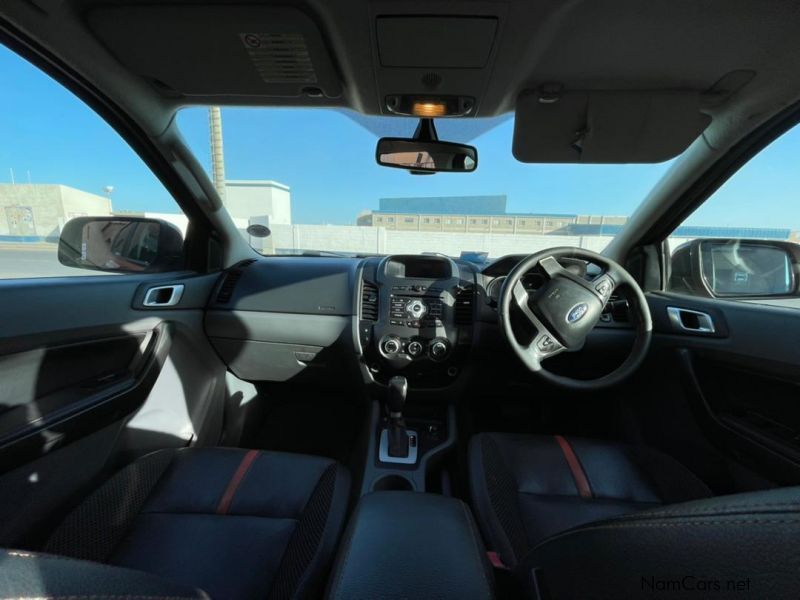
566	308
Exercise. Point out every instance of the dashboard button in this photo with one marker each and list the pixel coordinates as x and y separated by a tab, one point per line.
414	348
416	309
603	287
439	349
391	346
546	344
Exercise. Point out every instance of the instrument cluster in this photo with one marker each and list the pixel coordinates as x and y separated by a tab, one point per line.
530	281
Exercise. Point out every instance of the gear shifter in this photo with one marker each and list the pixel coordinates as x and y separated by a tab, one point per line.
397	434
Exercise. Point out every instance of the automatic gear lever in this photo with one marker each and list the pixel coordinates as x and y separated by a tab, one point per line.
395	400
398	390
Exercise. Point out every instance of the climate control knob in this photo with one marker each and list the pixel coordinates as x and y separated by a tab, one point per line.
439	349
391	346
414	348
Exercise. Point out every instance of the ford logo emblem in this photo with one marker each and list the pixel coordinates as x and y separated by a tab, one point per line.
577	312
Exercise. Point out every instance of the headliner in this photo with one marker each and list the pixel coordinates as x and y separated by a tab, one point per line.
591	44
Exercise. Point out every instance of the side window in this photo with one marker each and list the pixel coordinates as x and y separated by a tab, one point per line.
63	169
744	241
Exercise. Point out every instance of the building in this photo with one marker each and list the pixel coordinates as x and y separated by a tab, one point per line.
471	214
487	214
249	199
248	202
693	231
32	212
479	205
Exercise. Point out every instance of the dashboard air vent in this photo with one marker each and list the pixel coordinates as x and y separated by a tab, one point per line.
464	305
369	301
231	278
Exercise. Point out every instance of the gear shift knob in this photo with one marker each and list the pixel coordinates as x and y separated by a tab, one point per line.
396	398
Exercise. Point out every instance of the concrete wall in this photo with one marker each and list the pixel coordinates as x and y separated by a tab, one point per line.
180	220
245	199
40	210
347	238
78	203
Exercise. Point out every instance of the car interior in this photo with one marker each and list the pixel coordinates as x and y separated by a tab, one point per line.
195	419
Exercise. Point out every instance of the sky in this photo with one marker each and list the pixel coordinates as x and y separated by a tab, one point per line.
327	158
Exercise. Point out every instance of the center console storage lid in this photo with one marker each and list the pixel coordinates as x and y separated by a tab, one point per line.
411	545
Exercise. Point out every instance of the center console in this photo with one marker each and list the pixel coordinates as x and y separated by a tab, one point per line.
415	318
415	331
407	545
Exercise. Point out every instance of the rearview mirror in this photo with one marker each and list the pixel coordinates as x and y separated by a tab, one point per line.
735	268
121	245
426	156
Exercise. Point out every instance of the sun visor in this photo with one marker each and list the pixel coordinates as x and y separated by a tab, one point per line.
605	126
217	51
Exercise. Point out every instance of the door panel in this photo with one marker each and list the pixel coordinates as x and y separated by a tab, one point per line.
92	374
742	381
60	393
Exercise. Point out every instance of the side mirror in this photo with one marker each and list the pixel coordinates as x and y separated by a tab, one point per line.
732	268
121	245
426	156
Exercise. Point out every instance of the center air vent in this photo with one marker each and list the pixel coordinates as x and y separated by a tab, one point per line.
464	305
369	301
231	278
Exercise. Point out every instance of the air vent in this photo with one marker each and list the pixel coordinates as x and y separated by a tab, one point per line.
231	278
464	305
369	301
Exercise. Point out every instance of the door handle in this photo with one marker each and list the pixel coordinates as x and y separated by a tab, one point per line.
163	295
694	321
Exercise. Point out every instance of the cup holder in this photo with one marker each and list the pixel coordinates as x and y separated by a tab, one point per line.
392	483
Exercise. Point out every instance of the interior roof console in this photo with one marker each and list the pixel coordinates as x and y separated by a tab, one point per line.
415	317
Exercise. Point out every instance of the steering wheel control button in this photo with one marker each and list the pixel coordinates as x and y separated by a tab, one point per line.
439	349
603	287
414	348
546	344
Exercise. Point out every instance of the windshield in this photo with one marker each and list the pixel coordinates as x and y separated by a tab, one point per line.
310	176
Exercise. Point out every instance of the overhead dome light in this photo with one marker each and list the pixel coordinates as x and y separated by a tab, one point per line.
430	106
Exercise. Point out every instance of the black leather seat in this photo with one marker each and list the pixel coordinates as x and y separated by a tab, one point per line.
233	523
526	488
577	519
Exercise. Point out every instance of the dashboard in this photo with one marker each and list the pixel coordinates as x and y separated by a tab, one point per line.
283	318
